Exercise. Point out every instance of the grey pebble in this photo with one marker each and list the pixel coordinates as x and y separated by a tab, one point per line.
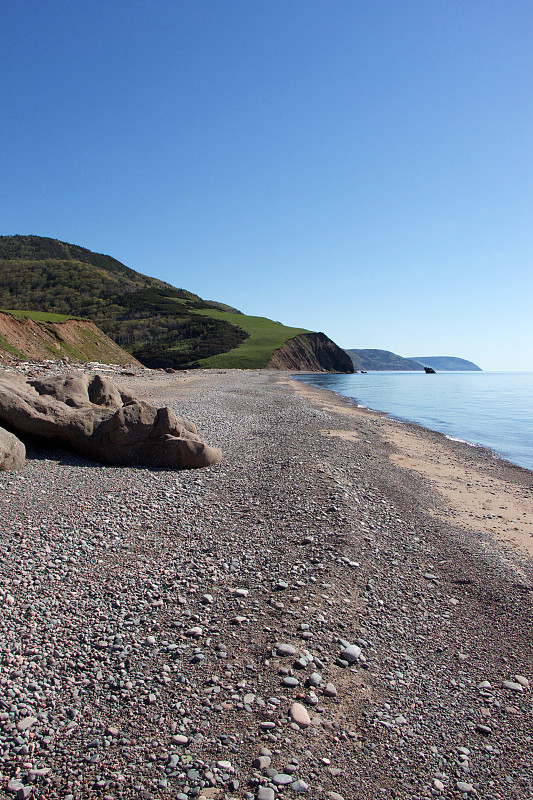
262	762
513	686
289	681
282	779
351	653
284	649
265	793
299	786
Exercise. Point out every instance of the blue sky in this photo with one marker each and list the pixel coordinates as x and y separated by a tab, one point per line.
361	168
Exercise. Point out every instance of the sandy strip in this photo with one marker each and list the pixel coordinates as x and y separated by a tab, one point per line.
481	492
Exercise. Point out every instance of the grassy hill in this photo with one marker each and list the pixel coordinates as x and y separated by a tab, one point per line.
264	336
160	325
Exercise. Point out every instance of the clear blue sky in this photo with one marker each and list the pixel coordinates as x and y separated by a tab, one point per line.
361	167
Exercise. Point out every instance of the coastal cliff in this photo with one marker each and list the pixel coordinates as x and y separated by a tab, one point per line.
311	352
25	337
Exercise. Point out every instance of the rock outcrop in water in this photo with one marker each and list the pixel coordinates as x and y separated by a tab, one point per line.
95	418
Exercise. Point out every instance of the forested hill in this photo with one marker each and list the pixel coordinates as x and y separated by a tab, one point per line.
154	321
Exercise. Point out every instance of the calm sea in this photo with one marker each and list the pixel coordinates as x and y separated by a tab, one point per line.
494	409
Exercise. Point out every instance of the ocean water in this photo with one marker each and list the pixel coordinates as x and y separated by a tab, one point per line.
493	409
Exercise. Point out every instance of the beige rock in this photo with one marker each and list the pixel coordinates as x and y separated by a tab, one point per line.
299	715
98	420
12	451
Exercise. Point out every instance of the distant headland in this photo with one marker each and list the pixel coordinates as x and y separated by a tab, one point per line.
377	360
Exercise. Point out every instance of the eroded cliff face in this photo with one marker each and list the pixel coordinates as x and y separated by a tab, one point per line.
311	352
78	340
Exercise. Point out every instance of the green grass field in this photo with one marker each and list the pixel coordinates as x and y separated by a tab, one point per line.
254	353
39	316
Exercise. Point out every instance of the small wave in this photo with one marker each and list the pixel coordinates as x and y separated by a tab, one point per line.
462	441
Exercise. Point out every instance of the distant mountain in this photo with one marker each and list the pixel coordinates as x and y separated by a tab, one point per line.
447	363
381	360
158	324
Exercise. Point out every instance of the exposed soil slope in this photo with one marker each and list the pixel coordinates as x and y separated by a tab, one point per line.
311	352
78	340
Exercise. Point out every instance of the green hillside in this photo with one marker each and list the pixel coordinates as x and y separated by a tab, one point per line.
160	325
39	316
264	336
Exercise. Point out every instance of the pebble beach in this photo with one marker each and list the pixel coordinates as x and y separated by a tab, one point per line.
340	610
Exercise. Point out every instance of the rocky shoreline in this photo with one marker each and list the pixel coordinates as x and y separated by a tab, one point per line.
308	618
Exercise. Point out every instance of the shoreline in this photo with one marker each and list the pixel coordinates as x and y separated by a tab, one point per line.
143	612
473	480
482	443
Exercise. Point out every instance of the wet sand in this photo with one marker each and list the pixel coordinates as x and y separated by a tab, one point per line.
480	491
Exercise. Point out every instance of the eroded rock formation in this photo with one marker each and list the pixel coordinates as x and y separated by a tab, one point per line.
101	421
311	352
12	451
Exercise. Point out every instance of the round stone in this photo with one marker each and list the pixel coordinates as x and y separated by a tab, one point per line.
291	682
265	793
284	649
465	788
262	762
299	786
351	653
315	679
299	715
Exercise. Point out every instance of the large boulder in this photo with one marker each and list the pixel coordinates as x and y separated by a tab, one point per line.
98	419
12	451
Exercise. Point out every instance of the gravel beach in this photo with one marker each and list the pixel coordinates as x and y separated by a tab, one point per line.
341	609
